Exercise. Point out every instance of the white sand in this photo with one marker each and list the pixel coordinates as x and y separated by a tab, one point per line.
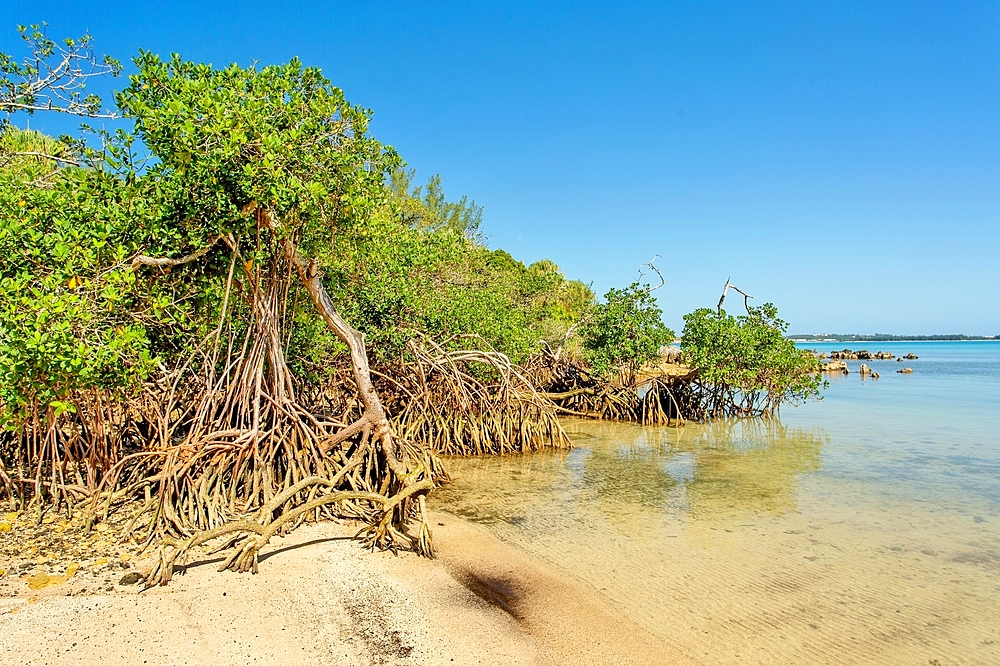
321	598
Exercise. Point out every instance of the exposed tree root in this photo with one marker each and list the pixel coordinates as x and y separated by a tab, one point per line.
652	399
470	402
252	535
223	443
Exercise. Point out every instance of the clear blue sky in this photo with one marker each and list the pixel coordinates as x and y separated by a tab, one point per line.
839	159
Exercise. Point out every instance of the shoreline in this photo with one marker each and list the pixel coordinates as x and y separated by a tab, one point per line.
320	595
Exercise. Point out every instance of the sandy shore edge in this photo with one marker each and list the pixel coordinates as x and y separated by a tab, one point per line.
320	597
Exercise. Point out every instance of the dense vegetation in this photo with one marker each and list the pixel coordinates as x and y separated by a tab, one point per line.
240	312
747	367
625	333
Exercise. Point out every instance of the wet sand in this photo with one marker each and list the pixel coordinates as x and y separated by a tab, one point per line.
320	597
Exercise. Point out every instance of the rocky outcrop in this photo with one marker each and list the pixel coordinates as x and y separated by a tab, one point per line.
834	366
868	372
911	356
865	355
848	355
906	371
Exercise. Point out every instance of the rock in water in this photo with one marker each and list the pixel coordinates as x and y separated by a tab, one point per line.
834	366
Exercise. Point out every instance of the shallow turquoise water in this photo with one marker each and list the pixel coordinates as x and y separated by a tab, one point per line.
935	432
861	528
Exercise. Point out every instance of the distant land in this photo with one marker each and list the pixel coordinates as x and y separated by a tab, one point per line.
882	337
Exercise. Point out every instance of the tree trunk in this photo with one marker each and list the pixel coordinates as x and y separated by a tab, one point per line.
373	420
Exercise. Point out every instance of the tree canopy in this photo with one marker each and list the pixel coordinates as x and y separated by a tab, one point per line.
746	364
625	332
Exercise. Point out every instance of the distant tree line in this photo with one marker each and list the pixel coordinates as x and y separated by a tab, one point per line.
885	337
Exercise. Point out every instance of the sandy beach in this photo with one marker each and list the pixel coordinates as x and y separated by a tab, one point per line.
320	597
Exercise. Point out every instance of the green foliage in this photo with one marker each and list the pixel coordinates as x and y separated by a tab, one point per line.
68	312
34	156
425	207
750	367
229	140
394	280
624	333
222	145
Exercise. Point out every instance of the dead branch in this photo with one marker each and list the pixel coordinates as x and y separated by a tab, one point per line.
54	77
725	290
656	270
46	156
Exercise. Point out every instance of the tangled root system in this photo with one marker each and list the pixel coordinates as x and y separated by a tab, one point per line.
654	398
470	402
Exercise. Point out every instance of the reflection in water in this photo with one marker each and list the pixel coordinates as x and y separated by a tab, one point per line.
504	488
747	466
633	475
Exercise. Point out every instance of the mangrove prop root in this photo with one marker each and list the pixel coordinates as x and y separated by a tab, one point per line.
461	397
649	400
255	535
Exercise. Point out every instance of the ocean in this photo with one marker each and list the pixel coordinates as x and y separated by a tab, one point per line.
861	528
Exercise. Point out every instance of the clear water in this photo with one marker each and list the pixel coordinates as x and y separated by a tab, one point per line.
863	528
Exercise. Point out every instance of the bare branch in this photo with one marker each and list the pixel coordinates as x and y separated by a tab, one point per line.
54	158
164	262
54	77
569	333
657	271
725	289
